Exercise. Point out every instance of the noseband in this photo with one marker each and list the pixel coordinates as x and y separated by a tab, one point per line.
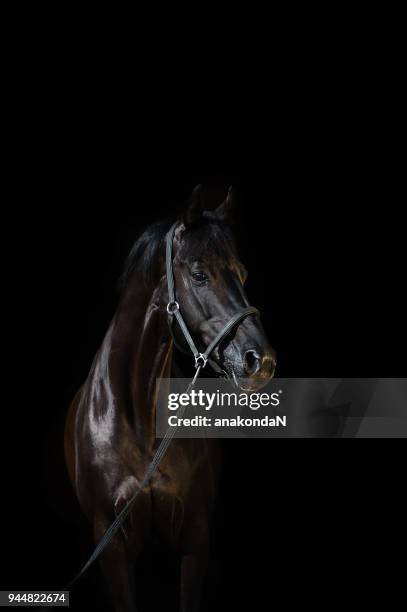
173	310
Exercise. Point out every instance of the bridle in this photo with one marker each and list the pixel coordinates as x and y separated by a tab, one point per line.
173	311
201	359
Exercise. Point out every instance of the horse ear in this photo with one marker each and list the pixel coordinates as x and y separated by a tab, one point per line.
195	206
227	210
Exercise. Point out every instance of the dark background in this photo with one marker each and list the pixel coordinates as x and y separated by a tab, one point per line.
321	234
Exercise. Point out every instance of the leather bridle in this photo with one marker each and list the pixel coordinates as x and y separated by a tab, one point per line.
173	311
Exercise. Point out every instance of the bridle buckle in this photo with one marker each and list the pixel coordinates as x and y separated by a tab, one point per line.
200	360
172	307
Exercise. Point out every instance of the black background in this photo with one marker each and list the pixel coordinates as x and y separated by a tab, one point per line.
320	233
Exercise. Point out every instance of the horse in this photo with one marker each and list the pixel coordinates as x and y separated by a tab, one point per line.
109	437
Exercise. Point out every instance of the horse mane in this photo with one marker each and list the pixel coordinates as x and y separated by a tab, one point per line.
145	254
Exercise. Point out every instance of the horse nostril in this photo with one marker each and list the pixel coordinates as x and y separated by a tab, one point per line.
252	362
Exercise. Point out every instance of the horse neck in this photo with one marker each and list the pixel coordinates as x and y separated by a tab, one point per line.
140	351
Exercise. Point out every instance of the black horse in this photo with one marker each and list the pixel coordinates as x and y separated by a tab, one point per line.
110	426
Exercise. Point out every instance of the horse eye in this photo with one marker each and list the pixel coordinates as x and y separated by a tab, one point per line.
199	277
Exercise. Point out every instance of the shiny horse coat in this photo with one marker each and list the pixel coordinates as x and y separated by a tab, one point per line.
109	433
